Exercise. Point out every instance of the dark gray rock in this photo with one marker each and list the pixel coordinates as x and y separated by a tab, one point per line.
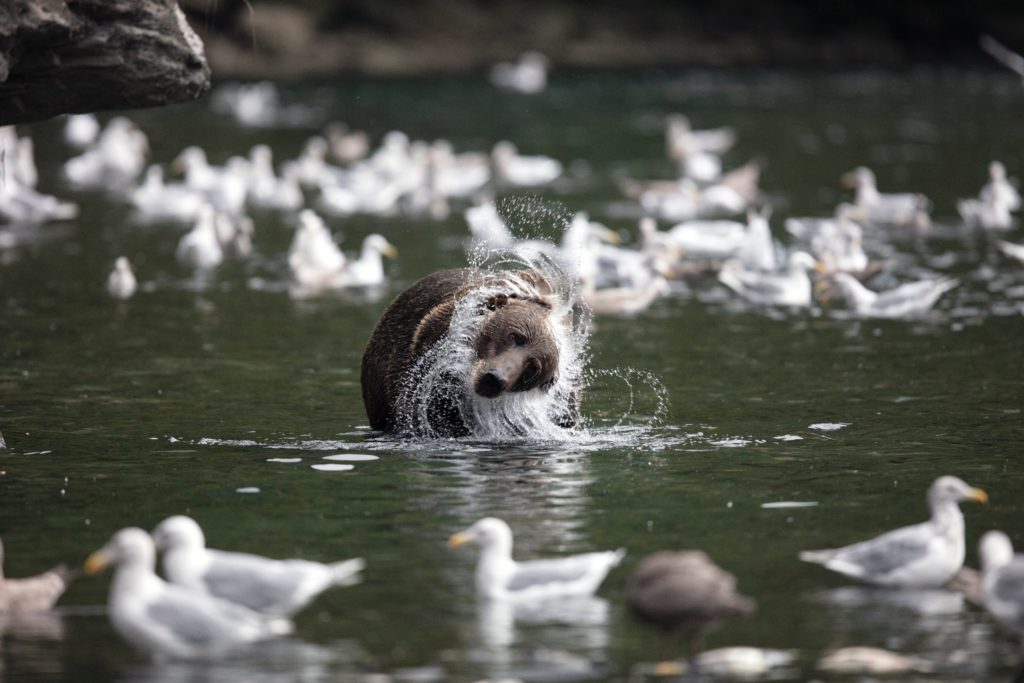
73	56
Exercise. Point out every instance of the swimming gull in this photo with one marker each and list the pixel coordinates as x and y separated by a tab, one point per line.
166	620
155	199
999	186
625	299
684	592
265	188
81	130
681	138
838	242
271	587
31	593
498	576
523	170
789	287
905	301
346	145
1002	582
529	75
903	208
117	157
924	555
368	269
200	247
121	282
993	206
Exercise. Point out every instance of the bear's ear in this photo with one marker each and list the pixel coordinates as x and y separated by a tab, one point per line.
496	302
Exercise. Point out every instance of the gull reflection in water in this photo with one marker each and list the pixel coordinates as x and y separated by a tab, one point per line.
29	645
273	661
569	627
932	623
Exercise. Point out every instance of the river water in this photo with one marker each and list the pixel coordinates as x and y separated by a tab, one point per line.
224	398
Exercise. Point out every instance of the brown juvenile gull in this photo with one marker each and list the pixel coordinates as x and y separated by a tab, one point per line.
925	555
500	577
32	593
166	620
684	592
271	587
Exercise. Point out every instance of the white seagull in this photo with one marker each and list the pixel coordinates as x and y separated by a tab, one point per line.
121	283
81	130
1002	580
275	588
523	171
905	301
903	208
789	287
499	577
924	555
999	185
529	75
368	269
169	621
200	247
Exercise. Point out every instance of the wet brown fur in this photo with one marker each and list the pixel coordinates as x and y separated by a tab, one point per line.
514	341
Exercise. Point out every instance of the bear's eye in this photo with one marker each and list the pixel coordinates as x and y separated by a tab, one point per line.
516	339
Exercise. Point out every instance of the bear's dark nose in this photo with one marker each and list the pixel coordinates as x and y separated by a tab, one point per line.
490	384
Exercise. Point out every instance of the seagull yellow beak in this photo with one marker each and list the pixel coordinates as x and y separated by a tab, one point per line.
96	563
390	251
610	236
460	539
848	179
978	495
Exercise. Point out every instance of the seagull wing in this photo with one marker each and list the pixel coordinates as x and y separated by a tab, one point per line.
878	557
912	296
1003	54
201	621
538	574
260	583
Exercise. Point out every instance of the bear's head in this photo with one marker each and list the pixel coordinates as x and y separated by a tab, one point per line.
515	347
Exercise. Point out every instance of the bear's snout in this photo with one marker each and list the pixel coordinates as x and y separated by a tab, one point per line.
490	384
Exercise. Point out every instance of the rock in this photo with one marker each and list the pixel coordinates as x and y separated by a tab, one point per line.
59	56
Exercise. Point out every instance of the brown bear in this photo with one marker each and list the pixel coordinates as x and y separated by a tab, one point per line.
458	347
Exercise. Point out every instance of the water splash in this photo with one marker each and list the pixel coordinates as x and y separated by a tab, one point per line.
642	390
436	393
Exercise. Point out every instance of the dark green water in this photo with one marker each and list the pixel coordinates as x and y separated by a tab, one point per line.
121	413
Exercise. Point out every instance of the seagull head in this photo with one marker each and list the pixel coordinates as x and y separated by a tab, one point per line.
488	533
130	546
995	551
377	243
178	531
949	489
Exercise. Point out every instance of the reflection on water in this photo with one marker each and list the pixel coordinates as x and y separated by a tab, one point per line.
30	646
275	661
577	625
